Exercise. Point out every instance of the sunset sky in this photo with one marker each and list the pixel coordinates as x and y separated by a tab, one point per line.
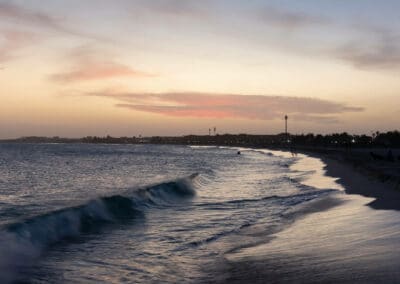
173	67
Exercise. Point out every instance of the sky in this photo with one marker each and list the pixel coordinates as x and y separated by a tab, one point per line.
177	67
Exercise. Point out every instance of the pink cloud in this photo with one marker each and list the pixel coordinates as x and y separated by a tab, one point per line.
98	70
206	105
89	65
26	26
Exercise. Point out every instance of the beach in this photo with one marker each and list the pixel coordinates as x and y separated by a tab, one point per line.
353	240
92	213
183	141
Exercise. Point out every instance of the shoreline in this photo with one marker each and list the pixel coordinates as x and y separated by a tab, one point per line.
354	242
363	179
359	174
383	176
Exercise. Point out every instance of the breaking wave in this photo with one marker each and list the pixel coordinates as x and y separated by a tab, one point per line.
24	241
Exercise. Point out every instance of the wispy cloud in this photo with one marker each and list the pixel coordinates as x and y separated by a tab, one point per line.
28	19
22	28
95	70
176	7
381	50
207	105
364	46
11	41
19	14
289	20
90	65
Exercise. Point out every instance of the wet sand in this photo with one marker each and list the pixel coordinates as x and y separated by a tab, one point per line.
349	243
362	176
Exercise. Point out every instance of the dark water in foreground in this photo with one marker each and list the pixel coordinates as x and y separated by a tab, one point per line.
143	213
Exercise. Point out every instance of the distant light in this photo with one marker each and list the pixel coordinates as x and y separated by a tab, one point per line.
353	141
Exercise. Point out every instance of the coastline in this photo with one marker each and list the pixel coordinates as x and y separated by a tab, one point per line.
317	239
363	177
353	242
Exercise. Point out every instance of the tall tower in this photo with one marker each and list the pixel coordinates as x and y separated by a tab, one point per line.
286	133
215	130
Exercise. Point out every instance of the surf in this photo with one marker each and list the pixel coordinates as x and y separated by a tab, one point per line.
24	241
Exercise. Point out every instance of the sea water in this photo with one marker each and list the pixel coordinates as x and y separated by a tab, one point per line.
92	213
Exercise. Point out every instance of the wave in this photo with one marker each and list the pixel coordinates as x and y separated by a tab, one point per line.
203	146
297	205
22	242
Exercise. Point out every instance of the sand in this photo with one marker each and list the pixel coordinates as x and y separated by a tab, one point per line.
367	178
354	242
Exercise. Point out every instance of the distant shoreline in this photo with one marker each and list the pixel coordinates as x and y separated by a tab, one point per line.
313	142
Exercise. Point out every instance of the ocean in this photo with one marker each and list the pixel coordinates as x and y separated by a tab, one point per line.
93	213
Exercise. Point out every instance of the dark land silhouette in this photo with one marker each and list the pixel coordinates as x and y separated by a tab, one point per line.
344	140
